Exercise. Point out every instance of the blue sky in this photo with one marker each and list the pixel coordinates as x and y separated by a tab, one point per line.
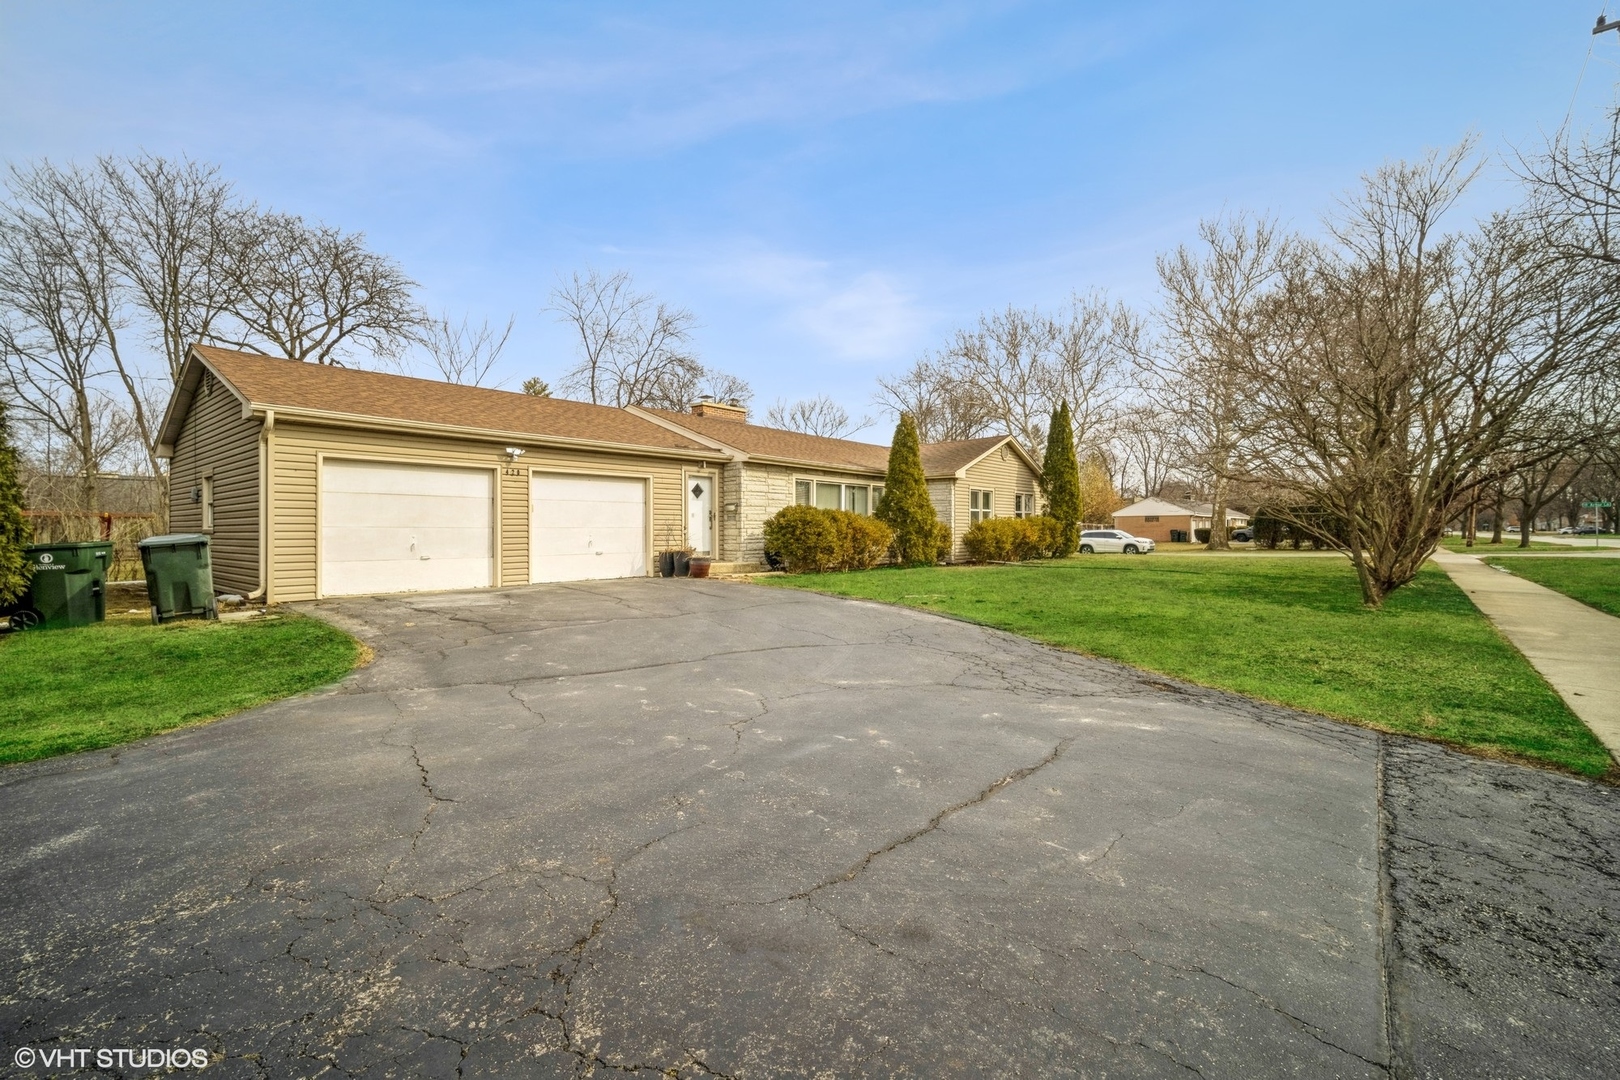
830	188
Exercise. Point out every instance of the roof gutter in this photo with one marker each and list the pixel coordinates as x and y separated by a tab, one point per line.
527	438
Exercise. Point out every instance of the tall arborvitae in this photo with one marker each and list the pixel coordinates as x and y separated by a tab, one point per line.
1060	478
14	531
906	507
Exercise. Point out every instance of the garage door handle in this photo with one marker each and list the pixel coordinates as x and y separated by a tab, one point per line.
424	558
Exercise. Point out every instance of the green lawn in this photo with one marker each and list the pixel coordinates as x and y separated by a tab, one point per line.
1483	545
1292	631
1591	581
97	686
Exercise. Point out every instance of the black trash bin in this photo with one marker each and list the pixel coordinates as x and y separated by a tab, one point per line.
67	585
179	577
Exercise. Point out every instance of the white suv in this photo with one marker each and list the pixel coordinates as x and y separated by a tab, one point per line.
1114	540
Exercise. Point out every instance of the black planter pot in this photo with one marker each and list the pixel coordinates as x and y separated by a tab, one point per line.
666	564
683	564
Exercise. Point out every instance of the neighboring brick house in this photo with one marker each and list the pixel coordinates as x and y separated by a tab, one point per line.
1168	522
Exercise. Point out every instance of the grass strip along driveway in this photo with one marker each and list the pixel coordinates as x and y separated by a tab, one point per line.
1594	582
97	686
1290	631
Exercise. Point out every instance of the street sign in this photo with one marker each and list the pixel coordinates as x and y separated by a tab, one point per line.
1596	505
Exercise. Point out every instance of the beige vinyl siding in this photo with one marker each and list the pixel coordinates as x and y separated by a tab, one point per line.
216	440
1002	471
942	493
761	490
513	567
299	446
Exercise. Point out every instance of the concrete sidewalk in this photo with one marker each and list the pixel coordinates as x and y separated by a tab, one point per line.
1575	647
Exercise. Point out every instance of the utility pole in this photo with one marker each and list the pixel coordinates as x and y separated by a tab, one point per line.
1604	24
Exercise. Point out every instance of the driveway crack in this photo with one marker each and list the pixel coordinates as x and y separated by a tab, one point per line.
933	823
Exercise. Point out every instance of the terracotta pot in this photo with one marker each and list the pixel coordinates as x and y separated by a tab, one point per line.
700	567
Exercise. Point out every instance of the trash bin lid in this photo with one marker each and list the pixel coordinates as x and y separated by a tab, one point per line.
174	539
68	545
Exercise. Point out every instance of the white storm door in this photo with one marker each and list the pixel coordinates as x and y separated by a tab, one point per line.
700	513
587	527
403	528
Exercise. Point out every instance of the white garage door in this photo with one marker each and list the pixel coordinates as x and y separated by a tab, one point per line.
583	527
401	528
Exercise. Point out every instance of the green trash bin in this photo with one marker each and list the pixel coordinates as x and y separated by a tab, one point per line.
67	586
179	577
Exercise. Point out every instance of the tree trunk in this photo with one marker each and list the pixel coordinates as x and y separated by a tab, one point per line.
1496	522
1219	540
1527	521
1471	525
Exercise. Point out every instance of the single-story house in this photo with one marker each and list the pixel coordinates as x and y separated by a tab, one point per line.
316	481
771	468
1156	519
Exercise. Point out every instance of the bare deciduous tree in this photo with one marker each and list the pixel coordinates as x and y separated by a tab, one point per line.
1213	322
314	293
944	407
1008	372
169	226
815	416
634	349
463	353
50	343
1405	366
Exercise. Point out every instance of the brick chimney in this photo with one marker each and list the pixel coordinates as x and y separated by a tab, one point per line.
722	410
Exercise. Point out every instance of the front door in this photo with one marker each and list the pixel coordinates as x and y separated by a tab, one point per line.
700	513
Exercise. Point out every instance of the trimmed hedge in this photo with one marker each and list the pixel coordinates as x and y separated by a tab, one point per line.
807	540
1015	539
1201	535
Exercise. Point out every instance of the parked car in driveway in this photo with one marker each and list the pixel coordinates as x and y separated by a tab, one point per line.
1114	541
1243	535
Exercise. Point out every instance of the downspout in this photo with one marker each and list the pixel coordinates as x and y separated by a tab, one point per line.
266	473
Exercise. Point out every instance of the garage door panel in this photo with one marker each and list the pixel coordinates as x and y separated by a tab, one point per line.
585	527
364	578
386	543
385	478
402	528
368	509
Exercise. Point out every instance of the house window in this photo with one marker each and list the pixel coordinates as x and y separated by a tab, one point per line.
1023	505
856	498
981	506
1151	517
208	503
877	496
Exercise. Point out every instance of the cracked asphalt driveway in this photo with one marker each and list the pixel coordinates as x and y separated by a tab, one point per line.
689	828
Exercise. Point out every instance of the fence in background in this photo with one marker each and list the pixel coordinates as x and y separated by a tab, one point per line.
125	530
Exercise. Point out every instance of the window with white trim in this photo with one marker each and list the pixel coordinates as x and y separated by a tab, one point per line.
981	506
826	495
1023	504
208	503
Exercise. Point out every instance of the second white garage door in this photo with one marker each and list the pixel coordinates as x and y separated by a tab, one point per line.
389	528
585	527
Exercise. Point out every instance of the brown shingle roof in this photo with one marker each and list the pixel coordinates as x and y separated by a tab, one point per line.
944	458
277	383
938	459
755	440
